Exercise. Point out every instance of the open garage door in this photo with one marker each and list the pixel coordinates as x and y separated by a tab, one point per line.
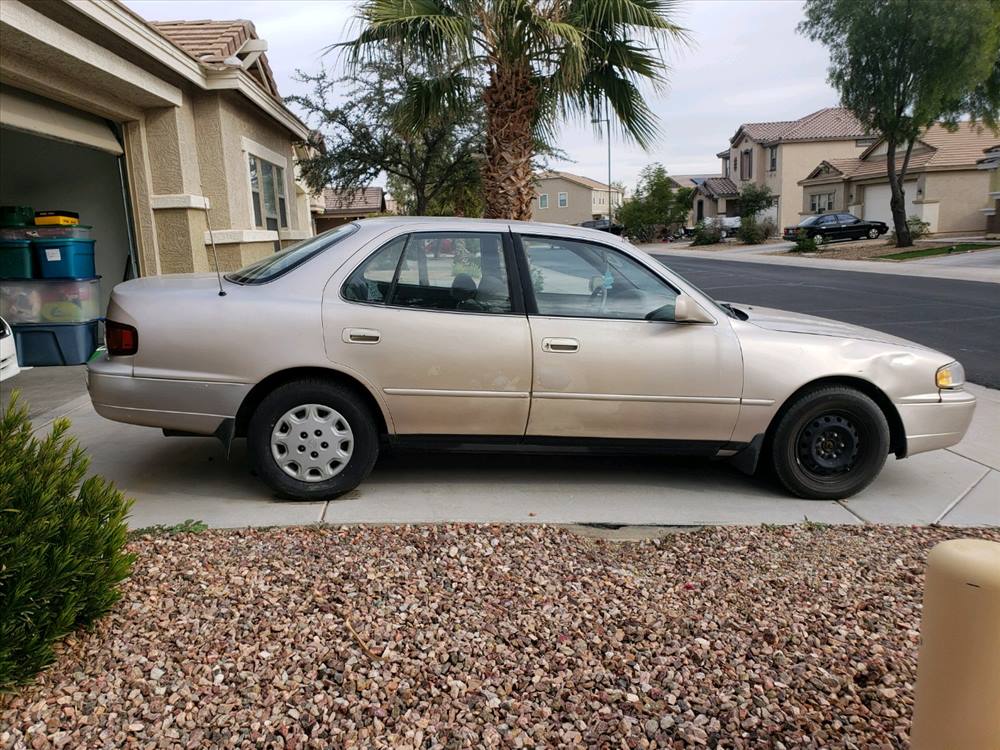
877	198
59	159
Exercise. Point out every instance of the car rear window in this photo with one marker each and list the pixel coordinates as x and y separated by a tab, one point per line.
273	266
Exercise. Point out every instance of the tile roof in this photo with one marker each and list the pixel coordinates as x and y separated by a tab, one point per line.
691	180
937	148
212	42
369	200
830	123
720	187
578	179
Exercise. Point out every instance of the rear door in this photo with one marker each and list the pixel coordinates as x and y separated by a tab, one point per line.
601	370
432	321
851	226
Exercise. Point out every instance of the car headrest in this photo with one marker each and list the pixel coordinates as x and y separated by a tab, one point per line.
463	287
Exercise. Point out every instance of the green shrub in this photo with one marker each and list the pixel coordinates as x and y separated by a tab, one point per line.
751	232
62	543
707	233
917	226
803	243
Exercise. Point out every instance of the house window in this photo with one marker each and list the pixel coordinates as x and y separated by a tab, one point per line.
543	200
746	166
725	167
820	202
563	200
267	193
773	155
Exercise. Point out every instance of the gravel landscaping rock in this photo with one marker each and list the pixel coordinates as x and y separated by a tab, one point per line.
496	636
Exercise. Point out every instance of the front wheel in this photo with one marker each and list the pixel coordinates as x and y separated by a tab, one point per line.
312	440
831	443
873	234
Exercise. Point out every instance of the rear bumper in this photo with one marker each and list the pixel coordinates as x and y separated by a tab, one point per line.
193	406
938	424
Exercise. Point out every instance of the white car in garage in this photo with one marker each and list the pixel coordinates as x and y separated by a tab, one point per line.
8	352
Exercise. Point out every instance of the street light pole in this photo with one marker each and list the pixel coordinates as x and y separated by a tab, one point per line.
607	121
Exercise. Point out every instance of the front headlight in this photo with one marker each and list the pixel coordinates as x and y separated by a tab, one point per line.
950	376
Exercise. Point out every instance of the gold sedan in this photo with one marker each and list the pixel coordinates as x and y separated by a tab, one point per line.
459	331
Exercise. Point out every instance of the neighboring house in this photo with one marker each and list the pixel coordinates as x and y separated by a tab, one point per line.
564	198
778	155
140	126
690	180
991	163
945	183
340	207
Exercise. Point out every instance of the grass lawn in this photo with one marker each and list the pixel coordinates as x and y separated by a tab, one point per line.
927	252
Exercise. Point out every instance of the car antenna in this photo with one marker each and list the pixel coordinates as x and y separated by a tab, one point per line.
211	236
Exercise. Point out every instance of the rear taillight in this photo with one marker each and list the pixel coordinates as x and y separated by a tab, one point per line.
121	339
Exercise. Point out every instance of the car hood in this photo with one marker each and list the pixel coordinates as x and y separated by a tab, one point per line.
790	322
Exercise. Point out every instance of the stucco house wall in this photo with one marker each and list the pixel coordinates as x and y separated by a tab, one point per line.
795	162
960	211
578	208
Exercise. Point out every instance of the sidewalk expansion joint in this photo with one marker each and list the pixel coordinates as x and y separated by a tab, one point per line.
960	498
843	504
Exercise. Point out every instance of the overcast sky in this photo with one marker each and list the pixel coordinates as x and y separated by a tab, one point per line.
746	64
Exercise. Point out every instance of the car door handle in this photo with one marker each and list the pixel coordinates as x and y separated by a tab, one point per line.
361	336
560	346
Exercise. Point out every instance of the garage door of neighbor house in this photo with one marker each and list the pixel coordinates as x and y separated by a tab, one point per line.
877	199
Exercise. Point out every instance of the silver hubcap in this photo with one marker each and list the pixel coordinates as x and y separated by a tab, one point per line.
312	443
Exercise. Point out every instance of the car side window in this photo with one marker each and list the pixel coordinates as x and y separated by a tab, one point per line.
847	219
461	271
826	221
586	280
372	280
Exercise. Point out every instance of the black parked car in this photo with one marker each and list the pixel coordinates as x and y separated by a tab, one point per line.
840	226
602	224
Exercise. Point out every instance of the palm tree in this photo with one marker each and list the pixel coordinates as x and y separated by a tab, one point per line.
532	62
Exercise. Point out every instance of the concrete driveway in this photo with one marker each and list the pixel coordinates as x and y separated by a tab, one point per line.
174	479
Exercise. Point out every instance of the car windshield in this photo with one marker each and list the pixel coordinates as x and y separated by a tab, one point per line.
282	262
808	220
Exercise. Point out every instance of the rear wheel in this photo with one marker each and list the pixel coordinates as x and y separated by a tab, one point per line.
312	440
819	239
831	443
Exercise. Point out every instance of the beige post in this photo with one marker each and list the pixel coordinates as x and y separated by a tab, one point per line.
957	705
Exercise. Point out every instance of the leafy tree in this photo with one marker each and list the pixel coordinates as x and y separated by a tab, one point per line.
754	199
901	65
433	172
529	62
656	205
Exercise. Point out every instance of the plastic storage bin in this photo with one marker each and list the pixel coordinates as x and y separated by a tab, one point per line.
45	345
56	217
61	258
15	259
16	233
17	216
50	300
59	232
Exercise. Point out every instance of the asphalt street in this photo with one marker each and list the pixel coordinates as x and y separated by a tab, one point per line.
961	318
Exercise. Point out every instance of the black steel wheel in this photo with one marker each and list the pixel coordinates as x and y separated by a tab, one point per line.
830	443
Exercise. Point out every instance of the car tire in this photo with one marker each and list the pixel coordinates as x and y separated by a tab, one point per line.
873	234
820	240
312	440
830	443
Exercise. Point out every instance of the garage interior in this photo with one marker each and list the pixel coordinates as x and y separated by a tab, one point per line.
56	157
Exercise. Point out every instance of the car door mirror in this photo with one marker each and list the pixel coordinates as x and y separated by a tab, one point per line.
686	310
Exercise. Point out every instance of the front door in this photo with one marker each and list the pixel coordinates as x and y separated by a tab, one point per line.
602	370
430	321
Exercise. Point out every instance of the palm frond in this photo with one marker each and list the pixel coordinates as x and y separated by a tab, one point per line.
425	100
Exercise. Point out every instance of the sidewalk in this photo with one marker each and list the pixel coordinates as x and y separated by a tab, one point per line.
983	265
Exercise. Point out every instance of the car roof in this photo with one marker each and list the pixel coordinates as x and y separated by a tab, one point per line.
472	225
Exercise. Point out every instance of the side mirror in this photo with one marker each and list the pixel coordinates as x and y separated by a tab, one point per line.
686	310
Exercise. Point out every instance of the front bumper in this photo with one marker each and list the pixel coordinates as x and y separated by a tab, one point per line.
194	406
937	424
